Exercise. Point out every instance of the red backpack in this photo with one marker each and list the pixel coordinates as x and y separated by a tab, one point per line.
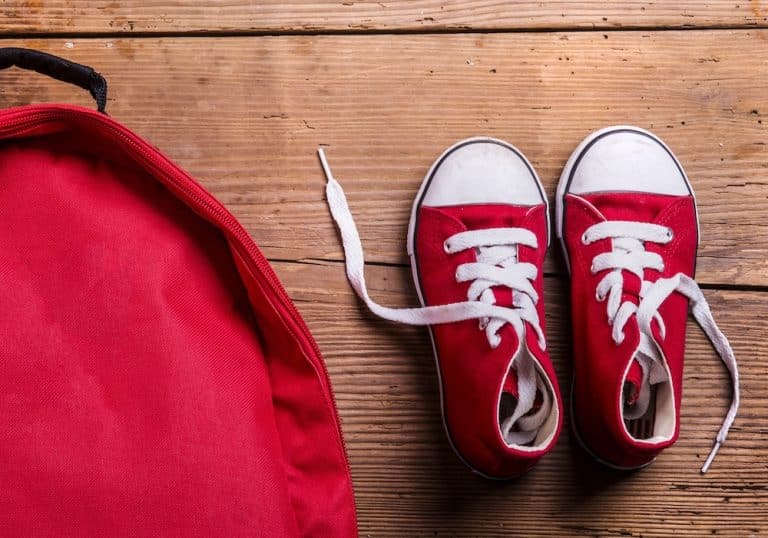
155	378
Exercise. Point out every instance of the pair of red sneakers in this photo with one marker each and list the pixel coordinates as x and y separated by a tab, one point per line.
479	230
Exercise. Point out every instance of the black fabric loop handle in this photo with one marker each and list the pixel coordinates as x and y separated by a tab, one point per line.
58	68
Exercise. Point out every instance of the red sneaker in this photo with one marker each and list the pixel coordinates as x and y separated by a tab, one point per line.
626	216
477	238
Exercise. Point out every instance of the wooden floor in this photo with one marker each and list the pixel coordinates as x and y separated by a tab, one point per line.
241	94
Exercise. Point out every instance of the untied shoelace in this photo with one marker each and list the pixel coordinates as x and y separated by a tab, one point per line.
496	265
629	254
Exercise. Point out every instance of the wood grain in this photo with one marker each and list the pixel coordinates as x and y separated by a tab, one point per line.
408	482
245	116
67	16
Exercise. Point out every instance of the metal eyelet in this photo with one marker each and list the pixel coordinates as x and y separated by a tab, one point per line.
670	234
447	247
584	238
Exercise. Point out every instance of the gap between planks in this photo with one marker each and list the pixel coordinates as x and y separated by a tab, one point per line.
546	274
9	34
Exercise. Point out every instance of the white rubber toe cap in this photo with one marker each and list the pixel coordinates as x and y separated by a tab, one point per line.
482	171
626	159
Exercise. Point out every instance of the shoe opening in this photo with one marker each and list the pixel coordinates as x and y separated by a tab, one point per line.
648	402
528	409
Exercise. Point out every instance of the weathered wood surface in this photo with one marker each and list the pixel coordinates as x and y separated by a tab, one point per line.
158	16
245	116
409	483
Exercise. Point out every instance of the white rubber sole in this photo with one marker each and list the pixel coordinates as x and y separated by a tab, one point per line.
417	282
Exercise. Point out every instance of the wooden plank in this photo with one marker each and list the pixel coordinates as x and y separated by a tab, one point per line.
409	483
245	115
34	16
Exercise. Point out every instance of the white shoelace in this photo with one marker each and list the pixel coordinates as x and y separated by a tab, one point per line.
496	265
629	254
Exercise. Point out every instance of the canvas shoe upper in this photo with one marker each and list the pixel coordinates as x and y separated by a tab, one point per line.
627	219
477	239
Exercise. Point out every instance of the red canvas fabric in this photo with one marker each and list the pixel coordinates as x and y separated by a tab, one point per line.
155	378
473	373
599	363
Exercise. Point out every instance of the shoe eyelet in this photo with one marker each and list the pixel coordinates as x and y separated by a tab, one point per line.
584	238
670	234
600	298
447	247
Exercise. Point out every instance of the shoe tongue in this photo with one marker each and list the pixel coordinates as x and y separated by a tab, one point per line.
645	371
510	387
640	207
489	216
510	384
485	216
633	383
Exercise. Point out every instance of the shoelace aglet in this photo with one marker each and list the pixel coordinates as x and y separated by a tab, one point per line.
324	164
335	194
711	457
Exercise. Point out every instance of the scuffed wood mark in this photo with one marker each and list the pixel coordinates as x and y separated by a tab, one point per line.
756	9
